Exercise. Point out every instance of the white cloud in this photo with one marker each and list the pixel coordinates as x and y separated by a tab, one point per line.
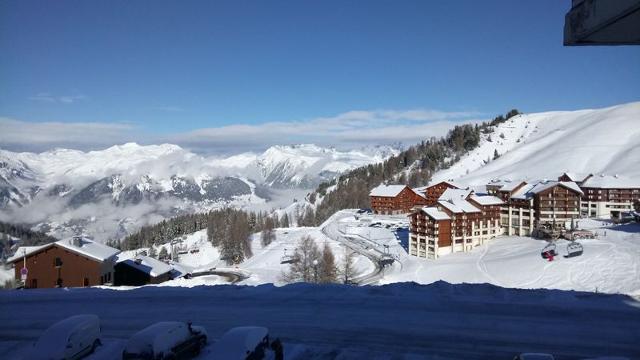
40	136
64	99
346	130
349	129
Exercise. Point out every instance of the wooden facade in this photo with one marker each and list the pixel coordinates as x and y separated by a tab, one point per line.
433	192
401	203
439	230
126	274
57	266
556	205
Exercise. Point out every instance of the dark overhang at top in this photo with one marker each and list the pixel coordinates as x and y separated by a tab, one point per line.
603	22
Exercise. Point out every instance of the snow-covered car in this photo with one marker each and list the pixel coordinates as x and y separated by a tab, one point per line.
71	338
534	356
240	343
166	340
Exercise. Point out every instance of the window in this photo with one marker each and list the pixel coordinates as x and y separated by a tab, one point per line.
57	262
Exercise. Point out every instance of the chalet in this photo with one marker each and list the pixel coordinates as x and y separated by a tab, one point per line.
578	178
504	188
460	221
394	199
73	262
608	196
537	204
434	191
141	270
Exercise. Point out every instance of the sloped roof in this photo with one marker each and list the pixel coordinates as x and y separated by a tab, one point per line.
435	214
450	182
611	182
575	176
147	265
79	245
25	251
486	200
524	192
544	185
419	192
455	201
506	184
89	248
387	190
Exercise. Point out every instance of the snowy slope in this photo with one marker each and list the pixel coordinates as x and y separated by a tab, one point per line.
544	145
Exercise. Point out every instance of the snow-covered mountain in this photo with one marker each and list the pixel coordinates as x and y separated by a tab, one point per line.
131	184
301	165
544	145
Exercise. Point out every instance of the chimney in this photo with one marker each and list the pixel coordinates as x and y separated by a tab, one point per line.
77	241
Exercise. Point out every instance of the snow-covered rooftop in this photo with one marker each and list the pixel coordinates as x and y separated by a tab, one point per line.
611	182
88	248
24	251
486	200
455	201
576	176
387	190
435	214
147	265
506	184
80	245
546	184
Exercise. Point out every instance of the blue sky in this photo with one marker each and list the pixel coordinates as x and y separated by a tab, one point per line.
151	71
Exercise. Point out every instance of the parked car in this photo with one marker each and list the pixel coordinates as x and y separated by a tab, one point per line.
166	340
534	356
240	343
71	338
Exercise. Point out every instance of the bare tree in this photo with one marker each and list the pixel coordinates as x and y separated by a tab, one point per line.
305	269
327	270
347	269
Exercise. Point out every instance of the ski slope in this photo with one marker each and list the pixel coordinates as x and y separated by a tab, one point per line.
544	145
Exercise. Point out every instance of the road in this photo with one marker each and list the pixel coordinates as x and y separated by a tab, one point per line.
332	229
234	276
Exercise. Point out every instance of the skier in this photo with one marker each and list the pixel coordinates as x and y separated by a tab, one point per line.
550	255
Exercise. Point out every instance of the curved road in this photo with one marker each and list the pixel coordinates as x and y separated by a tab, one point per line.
234	276
332	230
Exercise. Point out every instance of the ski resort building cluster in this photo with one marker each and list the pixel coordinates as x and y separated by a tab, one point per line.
459	221
447	217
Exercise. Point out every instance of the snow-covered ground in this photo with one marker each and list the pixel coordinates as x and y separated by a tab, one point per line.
610	263
544	145
398	321
264	267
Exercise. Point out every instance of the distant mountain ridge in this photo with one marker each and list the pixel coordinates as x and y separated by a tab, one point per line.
62	186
